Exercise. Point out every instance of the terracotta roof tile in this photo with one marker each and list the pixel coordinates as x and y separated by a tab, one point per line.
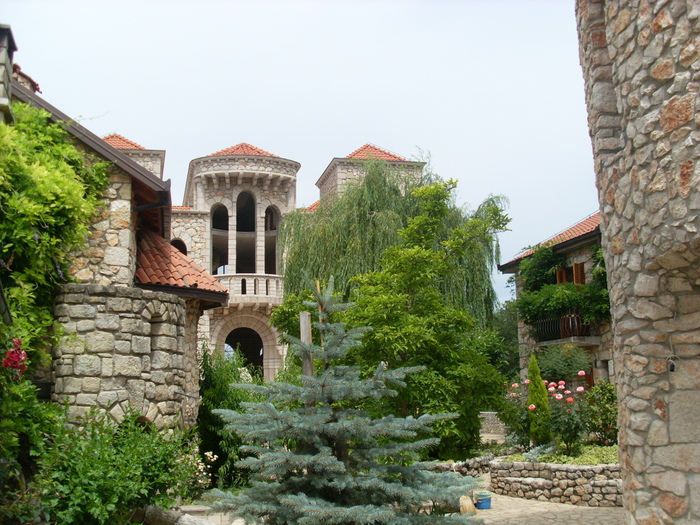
243	149
369	151
311	208
160	263
583	227
119	142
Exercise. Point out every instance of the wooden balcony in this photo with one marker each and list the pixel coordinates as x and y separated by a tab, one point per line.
569	327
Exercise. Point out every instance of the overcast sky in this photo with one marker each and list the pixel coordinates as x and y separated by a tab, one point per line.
491	89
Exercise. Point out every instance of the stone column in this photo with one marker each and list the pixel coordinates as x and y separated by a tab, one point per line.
641	63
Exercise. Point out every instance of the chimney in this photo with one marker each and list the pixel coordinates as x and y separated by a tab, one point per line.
7	50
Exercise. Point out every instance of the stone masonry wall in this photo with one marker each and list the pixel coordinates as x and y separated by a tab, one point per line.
641	66
125	347
110	255
591	485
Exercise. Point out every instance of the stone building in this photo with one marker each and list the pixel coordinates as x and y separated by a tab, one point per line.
130	319
577	245
234	202
641	66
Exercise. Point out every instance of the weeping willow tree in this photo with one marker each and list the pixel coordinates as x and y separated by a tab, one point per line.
348	234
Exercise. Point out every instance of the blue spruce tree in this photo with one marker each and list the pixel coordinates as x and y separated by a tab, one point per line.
315	459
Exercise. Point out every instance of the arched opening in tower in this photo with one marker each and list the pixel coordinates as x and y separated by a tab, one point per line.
271	223
250	345
245	233
219	239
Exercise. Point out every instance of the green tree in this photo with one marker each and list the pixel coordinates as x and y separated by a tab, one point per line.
538	405
415	324
504	352
316	458
349	234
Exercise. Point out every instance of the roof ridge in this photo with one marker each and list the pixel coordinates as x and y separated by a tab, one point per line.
371	151
120	142
243	148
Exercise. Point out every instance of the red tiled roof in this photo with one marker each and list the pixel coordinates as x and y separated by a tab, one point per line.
583	227
160	263
368	151
243	149
182	208
311	208
118	142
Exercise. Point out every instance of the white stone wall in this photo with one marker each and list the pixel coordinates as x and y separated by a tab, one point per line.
110	254
152	160
192	228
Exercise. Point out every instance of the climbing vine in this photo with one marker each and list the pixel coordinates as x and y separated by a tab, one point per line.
49	191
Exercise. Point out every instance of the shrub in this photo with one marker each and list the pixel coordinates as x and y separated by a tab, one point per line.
101	471
538	405
602	407
569	416
563	362
219	447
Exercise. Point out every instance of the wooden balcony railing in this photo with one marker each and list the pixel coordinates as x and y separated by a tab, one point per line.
568	325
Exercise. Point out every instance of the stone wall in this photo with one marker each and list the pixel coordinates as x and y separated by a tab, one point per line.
125	347
192	228
110	255
641	65
152	160
7	49
591	485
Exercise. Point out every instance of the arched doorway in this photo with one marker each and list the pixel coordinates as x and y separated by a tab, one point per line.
250	345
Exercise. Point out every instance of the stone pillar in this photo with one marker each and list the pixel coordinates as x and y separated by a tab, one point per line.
7	50
641	65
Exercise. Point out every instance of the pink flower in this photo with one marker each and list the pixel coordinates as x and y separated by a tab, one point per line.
569	399
581	373
580	389
562	382
544	381
16	358
567	392
561	387
532	407
559	397
527	381
515	385
552	384
551	389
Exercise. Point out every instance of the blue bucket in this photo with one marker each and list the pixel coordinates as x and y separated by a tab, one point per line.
483	500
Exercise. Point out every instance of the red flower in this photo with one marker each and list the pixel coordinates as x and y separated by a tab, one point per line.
16	358
569	399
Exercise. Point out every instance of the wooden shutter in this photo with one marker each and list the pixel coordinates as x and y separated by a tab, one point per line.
579	274
561	275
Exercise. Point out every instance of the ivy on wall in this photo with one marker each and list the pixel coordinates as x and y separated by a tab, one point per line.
542	298
49	192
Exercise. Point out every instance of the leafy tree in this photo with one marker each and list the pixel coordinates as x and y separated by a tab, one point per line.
538	405
316	458
349	234
504	352
414	323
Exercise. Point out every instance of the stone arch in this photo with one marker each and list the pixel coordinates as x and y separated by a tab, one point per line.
250	344
219	227
180	245
258	322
